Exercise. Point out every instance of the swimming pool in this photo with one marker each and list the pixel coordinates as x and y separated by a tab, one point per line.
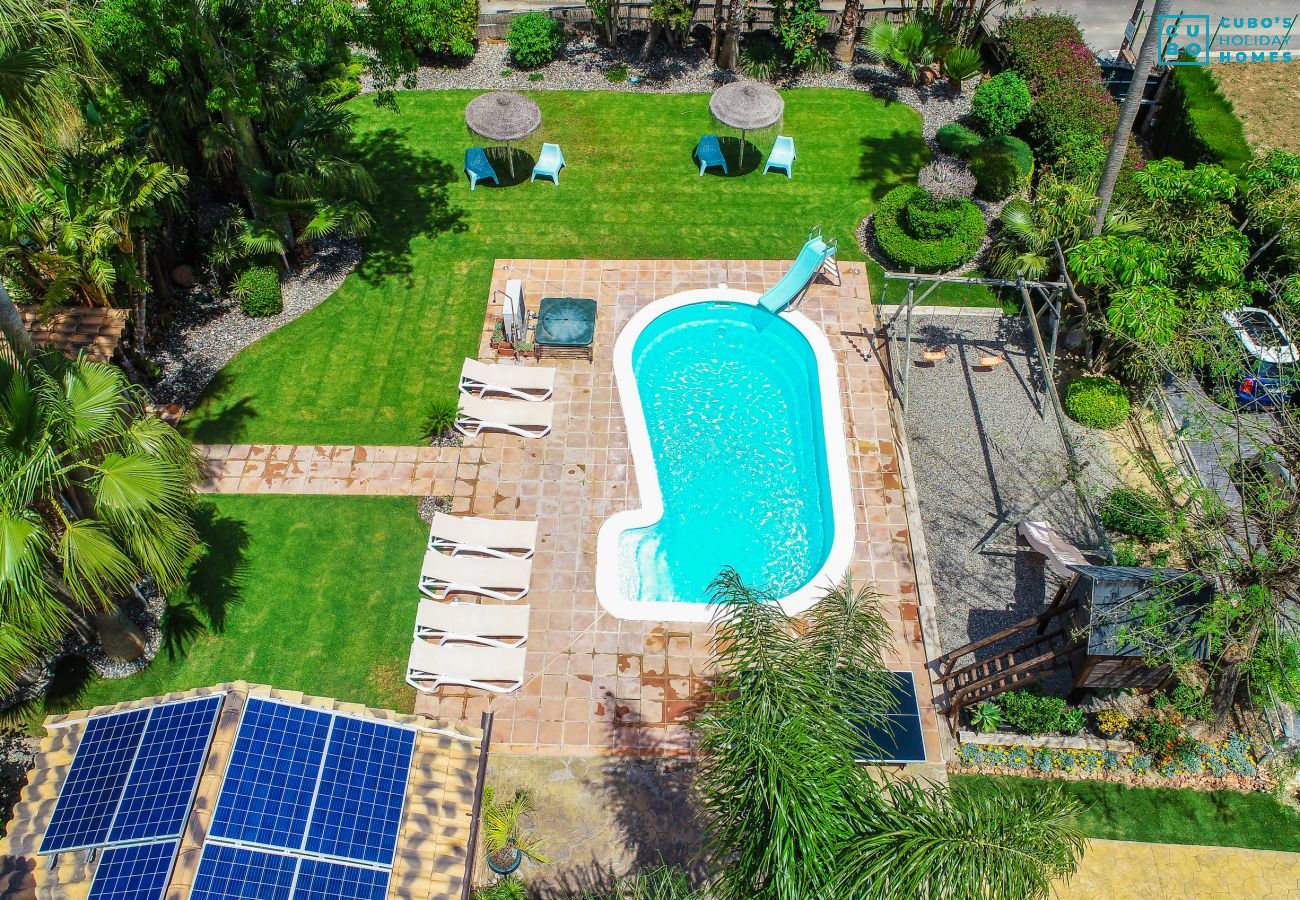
737	441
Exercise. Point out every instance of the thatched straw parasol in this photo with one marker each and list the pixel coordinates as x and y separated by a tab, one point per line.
503	116
746	106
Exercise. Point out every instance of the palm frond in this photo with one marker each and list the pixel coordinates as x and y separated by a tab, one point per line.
95	569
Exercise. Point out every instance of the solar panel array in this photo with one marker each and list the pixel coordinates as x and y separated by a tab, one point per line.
135	872
310	808
898	739
133	776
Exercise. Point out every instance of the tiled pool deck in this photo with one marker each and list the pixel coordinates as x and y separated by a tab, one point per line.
598	684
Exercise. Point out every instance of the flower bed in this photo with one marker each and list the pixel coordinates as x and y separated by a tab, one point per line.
1231	764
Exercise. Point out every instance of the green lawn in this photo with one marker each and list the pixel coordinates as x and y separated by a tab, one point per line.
1170	816
363	366
308	593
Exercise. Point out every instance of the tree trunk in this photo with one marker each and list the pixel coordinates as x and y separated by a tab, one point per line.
729	52
650	36
848	36
12	326
1128	113
715	39
118	635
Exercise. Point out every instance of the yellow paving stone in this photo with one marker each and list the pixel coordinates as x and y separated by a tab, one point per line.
1121	870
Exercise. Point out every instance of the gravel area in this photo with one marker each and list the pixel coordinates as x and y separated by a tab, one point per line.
583	61
985	449
210	329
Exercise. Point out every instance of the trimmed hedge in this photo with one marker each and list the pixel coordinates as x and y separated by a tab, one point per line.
534	39
1001	166
1097	401
957	139
1198	124
1135	513
258	292
906	249
1000	104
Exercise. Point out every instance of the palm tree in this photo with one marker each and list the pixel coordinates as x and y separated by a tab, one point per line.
929	842
45	60
94	496
1061	211
1128	112
847	38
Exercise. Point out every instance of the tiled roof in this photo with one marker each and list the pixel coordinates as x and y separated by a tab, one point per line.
432	846
77	328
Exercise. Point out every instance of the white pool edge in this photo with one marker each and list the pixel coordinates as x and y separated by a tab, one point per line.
843	527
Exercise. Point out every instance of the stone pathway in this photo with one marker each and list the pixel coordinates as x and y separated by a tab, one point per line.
1119	870
304	469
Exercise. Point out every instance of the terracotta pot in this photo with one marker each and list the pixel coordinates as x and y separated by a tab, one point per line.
506	352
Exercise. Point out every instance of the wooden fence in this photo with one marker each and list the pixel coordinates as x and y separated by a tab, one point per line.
635	16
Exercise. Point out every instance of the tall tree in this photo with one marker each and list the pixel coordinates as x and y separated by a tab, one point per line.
1128	112
847	37
94	495
728	56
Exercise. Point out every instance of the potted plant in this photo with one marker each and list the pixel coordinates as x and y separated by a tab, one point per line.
499	336
506	838
525	348
961	65
1111	722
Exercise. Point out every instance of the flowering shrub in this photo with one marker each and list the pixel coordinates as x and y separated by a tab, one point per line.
1018	758
1140	764
1161	736
1044	760
1110	760
1025	37
1111	721
971	754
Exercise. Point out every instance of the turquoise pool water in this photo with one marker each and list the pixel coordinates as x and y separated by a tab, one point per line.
733	411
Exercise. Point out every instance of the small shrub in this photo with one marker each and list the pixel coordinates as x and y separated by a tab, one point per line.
1018	758
439	417
972	755
957	139
1044	762
1126	554
961	63
1140	764
534	39
995	756
1014	147
1190	761
616	73
819	61
906	249
258	291
946	179
1060	122
1109	761
986	717
1215	765
1031	713
1135	513
1000	104
1097	401
1071	721
928	219
507	888
1161	737
1111	721
1066	760
760	58
1089	761
535	76
1193	704
1031	41
1001	166
1238	754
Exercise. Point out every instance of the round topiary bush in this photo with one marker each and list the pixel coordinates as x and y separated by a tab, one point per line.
1097	401
1001	166
1014	147
258	292
938	235
957	139
534	39
1135	513
1000	104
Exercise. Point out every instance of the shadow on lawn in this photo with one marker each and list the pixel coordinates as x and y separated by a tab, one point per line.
214	584
898	153
413	202
224	426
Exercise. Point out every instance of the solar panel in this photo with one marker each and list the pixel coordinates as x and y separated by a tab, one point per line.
271	778
235	873
167	767
90	794
359	803
138	872
319	880
899	739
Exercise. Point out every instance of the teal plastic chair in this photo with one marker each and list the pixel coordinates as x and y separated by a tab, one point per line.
549	163
782	156
709	153
478	168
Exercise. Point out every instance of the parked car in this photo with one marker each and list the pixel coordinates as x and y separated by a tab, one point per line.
1269	376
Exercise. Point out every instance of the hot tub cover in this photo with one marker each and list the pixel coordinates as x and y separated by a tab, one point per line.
566	321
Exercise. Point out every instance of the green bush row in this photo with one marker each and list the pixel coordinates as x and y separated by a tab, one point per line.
1198	124
907	249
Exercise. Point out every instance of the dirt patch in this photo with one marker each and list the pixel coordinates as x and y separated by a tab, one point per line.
1266	97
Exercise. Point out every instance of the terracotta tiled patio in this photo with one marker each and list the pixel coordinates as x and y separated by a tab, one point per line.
598	684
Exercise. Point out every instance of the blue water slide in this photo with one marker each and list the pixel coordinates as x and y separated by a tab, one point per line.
810	259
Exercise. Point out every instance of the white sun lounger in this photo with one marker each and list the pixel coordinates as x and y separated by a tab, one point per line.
489	537
505	578
522	417
1061	555
523	382
496	669
472	623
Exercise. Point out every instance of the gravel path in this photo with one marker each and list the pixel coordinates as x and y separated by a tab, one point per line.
985	444
583	61
206	334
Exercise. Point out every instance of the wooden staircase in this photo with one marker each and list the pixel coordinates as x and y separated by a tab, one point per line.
1037	646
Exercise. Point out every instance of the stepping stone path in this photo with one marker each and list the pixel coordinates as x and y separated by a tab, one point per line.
329	469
